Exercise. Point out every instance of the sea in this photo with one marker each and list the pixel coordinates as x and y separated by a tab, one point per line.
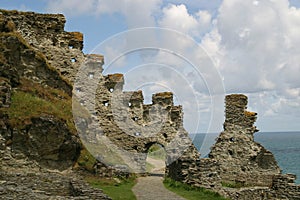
284	145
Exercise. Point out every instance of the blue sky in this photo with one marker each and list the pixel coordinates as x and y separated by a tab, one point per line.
253	44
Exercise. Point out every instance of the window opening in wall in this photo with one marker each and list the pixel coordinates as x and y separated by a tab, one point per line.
78	90
91	75
105	103
73	60
137	134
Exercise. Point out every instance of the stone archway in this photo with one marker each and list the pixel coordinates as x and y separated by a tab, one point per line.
156	160
129	126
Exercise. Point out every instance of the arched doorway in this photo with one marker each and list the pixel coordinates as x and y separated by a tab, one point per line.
156	160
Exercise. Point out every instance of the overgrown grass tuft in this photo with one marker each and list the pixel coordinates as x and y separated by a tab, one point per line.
34	100
86	160
117	189
190	192
233	184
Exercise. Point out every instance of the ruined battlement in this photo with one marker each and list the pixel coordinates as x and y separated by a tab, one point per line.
46	22
45	34
114	82
236	113
118	122
48	25
163	98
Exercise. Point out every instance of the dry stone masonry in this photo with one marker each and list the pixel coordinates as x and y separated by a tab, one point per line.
45	33
241	159
30	148
238	167
124	126
115	125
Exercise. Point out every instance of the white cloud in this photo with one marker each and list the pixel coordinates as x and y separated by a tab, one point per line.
254	44
178	18
258	39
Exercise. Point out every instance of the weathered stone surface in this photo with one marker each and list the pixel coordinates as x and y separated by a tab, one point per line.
5	92
238	160
242	159
125	126
115	124
28	63
45	33
48	141
43	185
35	49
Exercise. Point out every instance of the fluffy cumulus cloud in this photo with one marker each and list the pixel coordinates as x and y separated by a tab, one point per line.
178	18
260	44
253	43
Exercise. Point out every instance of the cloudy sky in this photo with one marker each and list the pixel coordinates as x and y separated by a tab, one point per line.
199	50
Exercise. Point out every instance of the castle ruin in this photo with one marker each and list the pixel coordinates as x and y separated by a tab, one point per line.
118	126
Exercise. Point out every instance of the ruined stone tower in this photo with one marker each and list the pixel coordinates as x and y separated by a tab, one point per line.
242	159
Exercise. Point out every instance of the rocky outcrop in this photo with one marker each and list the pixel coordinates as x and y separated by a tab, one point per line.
45	138
48	141
37	136
43	185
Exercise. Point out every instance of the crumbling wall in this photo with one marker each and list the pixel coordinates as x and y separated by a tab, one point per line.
45	34
238	167
24	69
125	126
241	159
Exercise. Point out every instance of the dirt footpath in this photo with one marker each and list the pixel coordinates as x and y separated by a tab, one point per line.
151	187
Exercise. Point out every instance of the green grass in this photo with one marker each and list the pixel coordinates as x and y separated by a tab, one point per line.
34	100
115	188
232	184
190	192
86	160
157	152
149	167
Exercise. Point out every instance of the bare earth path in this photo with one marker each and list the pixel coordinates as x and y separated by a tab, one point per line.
151	187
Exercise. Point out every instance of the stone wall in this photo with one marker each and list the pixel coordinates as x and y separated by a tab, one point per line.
35	146
45	34
115	125
124	125
238	167
242	159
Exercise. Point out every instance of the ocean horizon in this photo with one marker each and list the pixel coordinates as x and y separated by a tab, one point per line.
285	145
